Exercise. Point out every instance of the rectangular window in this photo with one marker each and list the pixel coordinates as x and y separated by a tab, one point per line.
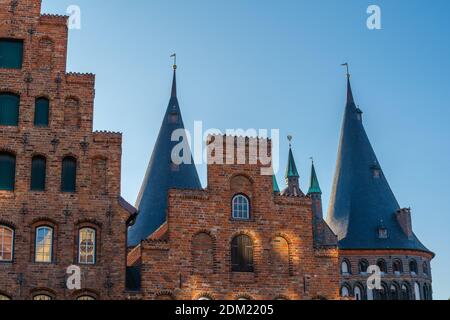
44	245
11	53
86	246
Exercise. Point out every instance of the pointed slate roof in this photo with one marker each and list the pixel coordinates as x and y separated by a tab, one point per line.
291	170
362	199
162	175
276	188
314	186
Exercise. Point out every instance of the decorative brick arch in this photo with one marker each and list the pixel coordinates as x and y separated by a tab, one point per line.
164	295
204	295
85	292
42	291
281	255
45	58
203	252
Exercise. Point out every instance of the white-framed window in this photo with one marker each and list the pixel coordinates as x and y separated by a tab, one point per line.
85	298
241	207
44	245
86	246
6	243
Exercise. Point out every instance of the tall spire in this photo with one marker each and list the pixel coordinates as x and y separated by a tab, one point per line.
314	186
174	81
361	196
292	176
162	174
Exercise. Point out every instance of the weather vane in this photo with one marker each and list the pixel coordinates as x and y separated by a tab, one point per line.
346	65
174	56
289	137
312	159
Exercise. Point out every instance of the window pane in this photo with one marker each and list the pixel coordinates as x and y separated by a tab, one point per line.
42	297
242	254
240	207
7	171
86	246
38	166
44	244
86	298
9	109
41	112
6	243
68	176
11	53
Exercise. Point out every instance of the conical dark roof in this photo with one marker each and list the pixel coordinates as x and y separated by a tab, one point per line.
162	175
362	201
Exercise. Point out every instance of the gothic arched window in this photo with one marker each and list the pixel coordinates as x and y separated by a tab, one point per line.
241	207
242	254
345	291
345	267
417	294
406	293
38	175
69	174
359	292
363	265
382	265
413	267
394	292
9	109
397	266
7	171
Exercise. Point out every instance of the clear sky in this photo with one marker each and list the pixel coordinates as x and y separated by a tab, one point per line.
276	64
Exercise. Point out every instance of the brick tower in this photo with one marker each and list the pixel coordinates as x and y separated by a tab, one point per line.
60	201
371	227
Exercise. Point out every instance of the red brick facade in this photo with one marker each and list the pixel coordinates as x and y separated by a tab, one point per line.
190	256
96	203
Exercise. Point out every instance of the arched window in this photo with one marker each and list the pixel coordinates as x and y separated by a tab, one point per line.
394	292
417	291
413	267
425	268
85	298
363	265
44	297
242	254
406	295
241	207
382	265
382	294
41	112
397	267
345	291
345	267
6	244
11	53
38	168
358	292
44	244
369	294
204	298
7	171
86	246
4	298
69	174
9	109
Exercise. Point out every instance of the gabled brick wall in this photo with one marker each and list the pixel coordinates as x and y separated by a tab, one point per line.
96	200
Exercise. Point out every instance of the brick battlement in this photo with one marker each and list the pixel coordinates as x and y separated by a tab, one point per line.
54	19
80	78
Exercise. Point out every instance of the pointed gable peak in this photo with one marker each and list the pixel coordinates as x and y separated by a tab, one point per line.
314	186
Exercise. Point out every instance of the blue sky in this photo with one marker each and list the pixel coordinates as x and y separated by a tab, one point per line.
276	64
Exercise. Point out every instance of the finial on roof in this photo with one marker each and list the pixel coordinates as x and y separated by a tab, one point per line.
174	56
347	67
289	137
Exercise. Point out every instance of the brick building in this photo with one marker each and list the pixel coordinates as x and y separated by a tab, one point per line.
60	201
239	238
371	227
